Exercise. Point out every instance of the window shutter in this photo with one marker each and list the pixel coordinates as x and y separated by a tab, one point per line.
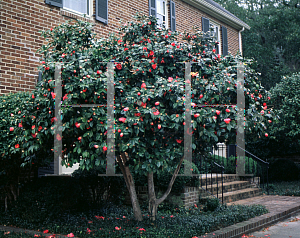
57	3
40	76
224	41
152	8
102	11
205	24
173	17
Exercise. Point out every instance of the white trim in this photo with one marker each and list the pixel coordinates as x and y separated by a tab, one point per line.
240	41
166	12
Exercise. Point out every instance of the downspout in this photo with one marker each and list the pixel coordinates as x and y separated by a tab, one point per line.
240	40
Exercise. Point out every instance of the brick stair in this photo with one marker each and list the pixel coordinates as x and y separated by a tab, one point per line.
235	187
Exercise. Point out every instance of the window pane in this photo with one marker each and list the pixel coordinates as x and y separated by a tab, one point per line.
160	7
77	5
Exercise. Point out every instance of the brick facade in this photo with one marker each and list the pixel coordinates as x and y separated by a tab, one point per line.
21	21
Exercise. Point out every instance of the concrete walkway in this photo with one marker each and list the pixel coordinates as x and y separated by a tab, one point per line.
280	208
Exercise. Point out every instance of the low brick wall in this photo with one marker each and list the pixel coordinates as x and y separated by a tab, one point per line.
188	197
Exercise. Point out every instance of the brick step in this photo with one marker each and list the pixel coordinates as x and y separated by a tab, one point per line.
228	187
237	195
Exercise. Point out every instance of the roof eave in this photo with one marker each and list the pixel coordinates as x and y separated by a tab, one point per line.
217	13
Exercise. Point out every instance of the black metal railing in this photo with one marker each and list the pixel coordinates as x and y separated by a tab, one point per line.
222	160
259	168
207	166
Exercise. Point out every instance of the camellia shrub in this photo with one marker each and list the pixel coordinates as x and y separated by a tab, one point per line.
149	105
24	142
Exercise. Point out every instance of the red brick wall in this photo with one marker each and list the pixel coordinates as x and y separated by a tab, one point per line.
21	21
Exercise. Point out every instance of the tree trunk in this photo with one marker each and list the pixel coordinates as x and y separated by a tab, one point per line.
130	186
153	201
152	208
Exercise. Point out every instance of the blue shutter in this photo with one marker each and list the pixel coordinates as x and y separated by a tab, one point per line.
205	24
173	17
57	3
224	41
152	8
40	76
102	11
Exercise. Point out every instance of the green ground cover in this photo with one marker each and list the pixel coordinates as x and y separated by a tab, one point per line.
42	207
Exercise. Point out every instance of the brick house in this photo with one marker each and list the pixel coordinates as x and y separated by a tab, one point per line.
21	21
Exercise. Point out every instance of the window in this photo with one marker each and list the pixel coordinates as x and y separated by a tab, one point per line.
158	8
216	30
84	7
78	6
208	25
161	13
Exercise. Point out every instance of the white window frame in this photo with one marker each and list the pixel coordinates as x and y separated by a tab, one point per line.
90	9
165	13
214	25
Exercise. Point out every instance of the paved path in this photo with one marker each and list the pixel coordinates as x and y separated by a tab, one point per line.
280	208
289	228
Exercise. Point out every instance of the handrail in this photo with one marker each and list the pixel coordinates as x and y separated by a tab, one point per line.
253	155
220	166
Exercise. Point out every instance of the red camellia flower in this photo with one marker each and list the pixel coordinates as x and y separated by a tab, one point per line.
58	137
77	124
20	125
138	93
17	146
119	66
178	141
70	235
96	146
32	96
151	52
170	79
121	134
142	229
218	112
158	126
40	128
173	44
154	66
122	119
149	23
266	135
143	104
104	148
157	103
125	49
156	113
32	127
126	109
201	96
65	97
46	231
119	130
227	110
143	85
98	72
34	135
11	129
196	115
269	121
214	50
215	117
79	138
53	95
118	228
227	120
